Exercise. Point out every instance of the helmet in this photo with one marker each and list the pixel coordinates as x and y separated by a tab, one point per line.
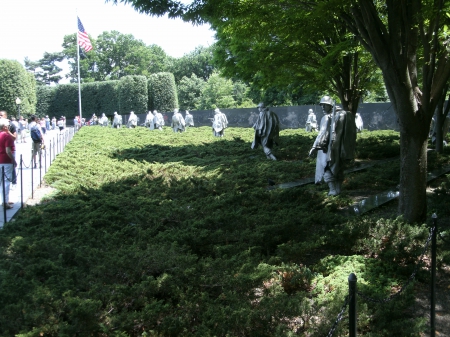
261	105
326	100
217	110
310	111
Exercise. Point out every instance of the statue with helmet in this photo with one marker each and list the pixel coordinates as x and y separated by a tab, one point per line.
311	121
334	145
117	121
267	129
178	123
219	123
158	120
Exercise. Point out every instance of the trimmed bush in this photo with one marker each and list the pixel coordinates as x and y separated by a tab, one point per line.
133	94
15	82
162	92
108	97
65	101
45	97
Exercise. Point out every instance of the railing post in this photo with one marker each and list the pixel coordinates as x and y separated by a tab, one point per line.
40	167
21	181
4	194
433	277
352	305
32	175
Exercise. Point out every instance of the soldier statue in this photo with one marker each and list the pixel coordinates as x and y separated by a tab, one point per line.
149	121
158	120
219	123
189	119
311	121
178	124
133	120
267	129
359	122
103	121
335	144
117	121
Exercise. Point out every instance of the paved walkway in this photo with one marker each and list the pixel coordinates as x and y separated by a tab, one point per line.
29	178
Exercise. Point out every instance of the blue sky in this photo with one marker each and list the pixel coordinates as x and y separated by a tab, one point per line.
32	27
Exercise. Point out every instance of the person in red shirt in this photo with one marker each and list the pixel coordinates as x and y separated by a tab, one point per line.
7	161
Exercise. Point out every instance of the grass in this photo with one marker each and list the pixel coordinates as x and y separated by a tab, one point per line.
163	234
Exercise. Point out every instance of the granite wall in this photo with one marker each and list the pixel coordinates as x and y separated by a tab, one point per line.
376	116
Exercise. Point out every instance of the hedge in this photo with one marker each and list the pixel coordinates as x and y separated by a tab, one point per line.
15	82
133	94
162	92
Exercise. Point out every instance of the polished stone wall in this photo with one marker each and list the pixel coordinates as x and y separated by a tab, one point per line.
376	116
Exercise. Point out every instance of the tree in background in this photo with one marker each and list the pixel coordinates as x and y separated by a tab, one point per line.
114	55
121	55
46	71
16	82
88	61
284	43
189	92
217	92
198	62
440	117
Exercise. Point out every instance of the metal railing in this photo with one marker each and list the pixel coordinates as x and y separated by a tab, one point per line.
56	145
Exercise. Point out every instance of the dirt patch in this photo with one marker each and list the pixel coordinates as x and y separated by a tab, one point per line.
40	194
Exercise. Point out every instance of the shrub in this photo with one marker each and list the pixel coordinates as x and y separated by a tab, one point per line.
162	92
133	94
15	82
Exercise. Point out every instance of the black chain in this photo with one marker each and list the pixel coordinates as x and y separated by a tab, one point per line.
340	316
413	275
31	163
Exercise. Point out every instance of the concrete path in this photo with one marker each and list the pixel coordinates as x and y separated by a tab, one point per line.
28	177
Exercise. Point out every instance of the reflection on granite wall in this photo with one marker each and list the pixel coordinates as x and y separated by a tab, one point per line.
376	116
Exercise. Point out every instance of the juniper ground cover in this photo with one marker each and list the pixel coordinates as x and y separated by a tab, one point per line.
162	234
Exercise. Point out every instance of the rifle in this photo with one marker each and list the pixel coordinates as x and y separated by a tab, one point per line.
332	132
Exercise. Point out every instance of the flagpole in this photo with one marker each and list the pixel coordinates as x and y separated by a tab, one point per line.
78	66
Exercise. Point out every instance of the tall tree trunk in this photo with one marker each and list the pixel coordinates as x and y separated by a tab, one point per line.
439	126
413	176
441	115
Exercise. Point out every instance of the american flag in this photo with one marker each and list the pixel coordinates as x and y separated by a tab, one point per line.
83	38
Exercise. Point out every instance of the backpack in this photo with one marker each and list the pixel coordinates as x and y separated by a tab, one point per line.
35	134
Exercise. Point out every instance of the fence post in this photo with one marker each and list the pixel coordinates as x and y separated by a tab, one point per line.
433	277
32	175
4	194
352	305
21	181
40	167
